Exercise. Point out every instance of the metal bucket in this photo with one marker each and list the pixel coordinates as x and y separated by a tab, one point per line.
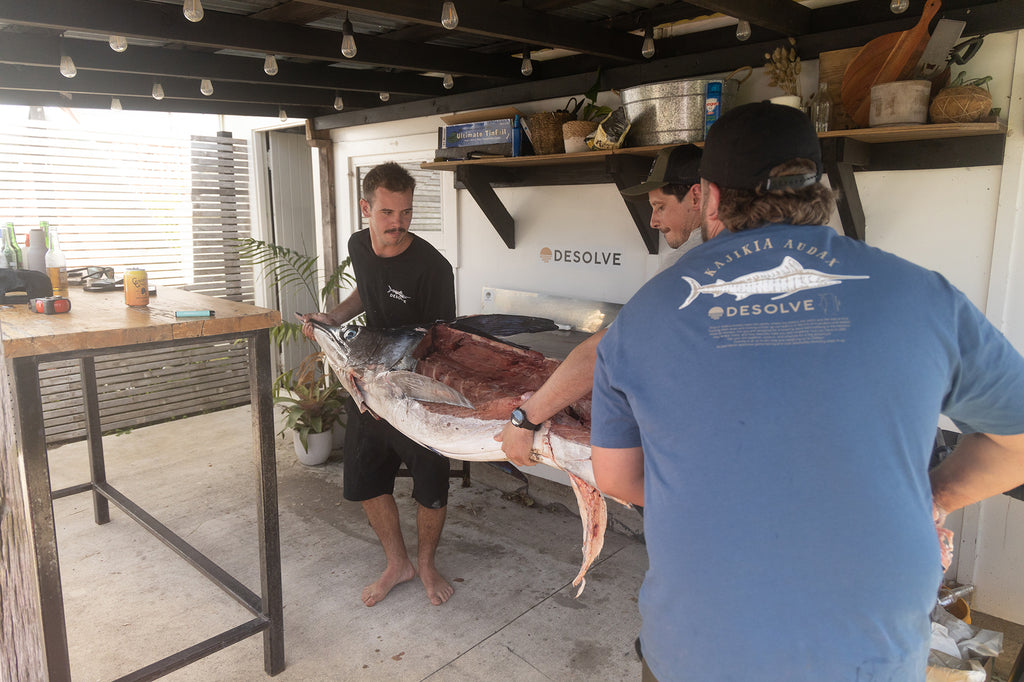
672	111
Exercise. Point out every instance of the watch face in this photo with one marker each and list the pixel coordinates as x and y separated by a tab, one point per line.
518	417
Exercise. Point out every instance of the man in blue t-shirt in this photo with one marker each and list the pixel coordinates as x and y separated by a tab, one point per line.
772	400
400	280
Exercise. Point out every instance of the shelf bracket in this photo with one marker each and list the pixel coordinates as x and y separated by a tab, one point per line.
478	181
627	171
839	156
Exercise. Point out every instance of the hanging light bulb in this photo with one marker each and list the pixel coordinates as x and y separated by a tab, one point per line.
193	10
158	91
67	66
118	43
206	87
281	114
448	82
339	104
348	42
115	104
899	6
647	50
742	30
449	17
270	65
526	68
385	96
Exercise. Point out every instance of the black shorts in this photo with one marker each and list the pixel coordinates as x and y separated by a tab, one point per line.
374	451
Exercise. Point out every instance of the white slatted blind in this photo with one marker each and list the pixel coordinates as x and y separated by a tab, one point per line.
172	206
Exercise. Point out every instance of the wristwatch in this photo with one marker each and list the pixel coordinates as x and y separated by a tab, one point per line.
519	419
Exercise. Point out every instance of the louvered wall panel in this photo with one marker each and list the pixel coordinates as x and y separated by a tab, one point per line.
172	206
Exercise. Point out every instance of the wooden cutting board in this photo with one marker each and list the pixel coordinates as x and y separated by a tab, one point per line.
885	59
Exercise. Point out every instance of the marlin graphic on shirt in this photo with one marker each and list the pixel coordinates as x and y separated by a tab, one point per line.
784	280
397	294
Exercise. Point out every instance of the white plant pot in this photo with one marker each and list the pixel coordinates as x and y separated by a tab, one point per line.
319	448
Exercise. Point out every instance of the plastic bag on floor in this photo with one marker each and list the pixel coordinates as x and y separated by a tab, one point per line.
958	649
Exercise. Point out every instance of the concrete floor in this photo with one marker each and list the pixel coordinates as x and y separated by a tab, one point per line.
130	601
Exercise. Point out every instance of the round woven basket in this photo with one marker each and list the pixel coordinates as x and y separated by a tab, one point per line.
546	131
962	104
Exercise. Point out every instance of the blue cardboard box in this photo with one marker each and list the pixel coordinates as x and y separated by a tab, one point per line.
492	137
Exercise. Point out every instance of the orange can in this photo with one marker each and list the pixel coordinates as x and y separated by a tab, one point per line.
136	287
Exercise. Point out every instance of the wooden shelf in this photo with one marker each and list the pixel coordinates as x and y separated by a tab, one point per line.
908	147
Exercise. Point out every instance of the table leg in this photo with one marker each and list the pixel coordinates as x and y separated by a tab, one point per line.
266	472
94	435
43	532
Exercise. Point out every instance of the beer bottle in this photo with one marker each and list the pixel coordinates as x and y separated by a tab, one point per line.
56	265
17	249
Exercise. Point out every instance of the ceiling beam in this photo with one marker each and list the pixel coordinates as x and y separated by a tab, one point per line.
43	50
219	30
184	106
48	79
782	16
505	21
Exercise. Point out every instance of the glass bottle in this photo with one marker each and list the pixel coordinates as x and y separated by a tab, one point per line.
9	258
17	249
821	109
56	265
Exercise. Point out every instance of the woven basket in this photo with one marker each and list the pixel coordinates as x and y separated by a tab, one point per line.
574	133
961	104
546	131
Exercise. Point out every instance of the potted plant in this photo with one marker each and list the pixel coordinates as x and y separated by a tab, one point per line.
310	396
312	400
574	132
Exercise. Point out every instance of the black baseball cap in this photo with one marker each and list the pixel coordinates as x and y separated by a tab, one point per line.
748	141
674	166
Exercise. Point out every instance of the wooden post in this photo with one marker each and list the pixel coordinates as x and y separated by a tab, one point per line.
22	655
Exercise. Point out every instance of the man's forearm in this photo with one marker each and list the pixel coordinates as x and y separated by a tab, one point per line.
982	465
347	309
572	380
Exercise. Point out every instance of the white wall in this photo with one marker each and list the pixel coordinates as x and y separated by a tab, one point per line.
965	223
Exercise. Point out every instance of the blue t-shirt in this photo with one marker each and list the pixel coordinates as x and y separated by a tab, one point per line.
785	385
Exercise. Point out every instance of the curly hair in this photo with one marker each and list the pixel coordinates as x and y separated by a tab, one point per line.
744	209
390	176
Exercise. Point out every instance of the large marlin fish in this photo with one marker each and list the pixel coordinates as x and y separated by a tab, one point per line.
784	280
451	390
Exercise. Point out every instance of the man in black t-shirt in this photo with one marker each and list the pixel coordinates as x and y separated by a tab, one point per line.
400	280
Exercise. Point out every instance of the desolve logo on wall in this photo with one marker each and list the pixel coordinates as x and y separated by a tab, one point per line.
549	255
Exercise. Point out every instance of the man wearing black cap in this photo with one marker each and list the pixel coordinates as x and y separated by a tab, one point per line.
673	190
772	401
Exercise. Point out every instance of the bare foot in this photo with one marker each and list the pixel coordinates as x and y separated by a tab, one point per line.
389	578
438	589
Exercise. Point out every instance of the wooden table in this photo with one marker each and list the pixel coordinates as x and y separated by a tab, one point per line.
31	603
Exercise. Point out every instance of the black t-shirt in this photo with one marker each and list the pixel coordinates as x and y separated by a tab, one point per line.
415	287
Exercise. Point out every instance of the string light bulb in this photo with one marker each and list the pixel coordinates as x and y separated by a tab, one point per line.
385	96
526	68
742	30
270	65
348	41
206	87
67	66
281	114
448	82
193	10
647	50
158	91
449	17
339	104
118	43
899	6
115	104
